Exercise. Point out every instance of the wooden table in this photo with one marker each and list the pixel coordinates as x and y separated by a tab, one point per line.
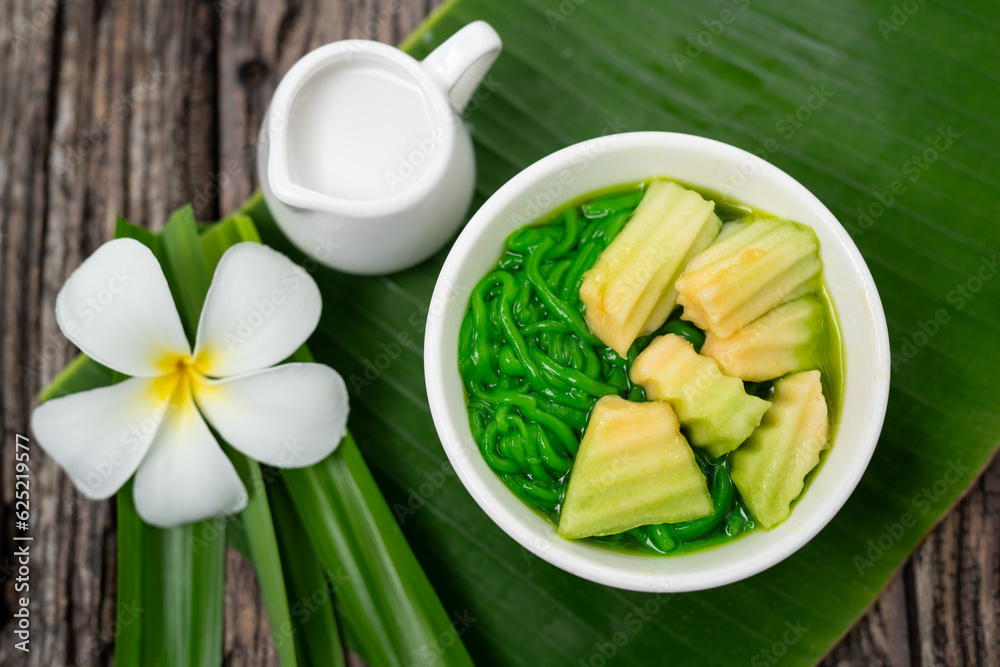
139	107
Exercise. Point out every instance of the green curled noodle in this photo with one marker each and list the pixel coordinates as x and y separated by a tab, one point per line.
555	271
593	231
533	371
555	461
526	240
570	235
536	494
723	497
479	354
510	262
488	447
512	449
509	363
687	331
527	439
571	316
546	326
465	334
539	381
529	408
523	308
576	358
661	537
575	419
617	223
611	203
591	363
573	280
573	377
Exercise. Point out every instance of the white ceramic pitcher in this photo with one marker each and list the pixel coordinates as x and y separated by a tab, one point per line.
364	160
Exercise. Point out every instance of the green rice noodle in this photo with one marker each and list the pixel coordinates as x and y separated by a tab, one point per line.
533	370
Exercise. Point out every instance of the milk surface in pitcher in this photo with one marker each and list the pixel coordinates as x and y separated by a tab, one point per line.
364	162
361	131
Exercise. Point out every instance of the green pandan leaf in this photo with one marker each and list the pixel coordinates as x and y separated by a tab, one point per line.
309	596
257	519
171	581
176	576
338	522
393	615
887	124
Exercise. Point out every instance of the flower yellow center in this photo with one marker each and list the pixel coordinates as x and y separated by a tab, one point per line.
181	374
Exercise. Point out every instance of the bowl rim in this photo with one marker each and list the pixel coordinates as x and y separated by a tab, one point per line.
572	561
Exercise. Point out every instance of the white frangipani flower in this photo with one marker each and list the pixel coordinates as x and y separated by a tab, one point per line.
117	308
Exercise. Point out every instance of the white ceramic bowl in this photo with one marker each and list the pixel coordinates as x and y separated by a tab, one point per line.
627	158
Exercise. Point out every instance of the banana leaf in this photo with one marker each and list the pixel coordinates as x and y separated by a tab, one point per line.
881	110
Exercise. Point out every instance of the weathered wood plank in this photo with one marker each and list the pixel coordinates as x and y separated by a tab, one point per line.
137	107
102	114
880	637
30	66
957	600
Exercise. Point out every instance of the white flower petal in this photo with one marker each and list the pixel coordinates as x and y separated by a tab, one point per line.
186	476
260	308
100	436
289	416
117	308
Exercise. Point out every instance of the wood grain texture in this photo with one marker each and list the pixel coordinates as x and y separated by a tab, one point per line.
132	107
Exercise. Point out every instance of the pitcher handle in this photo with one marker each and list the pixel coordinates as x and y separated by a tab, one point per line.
461	62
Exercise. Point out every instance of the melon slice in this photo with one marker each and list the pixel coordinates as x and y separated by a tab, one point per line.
748	273
634	468
786	340
630	290
770	469
713	407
